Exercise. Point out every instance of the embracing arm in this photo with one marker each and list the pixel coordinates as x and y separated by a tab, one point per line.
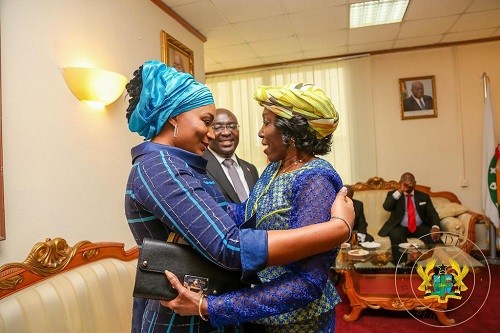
299	283
183	205
188	302
169	195
312	239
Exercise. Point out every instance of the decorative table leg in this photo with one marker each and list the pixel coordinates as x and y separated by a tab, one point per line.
354	315
443	319
357	304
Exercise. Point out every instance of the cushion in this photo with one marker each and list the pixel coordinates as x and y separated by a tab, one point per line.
450	209
453	225
95	297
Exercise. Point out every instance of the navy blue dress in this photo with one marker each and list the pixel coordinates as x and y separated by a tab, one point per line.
168	190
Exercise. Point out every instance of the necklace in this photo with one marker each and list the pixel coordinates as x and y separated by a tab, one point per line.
292	165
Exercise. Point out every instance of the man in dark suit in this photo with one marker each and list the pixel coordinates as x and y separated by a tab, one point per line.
360	223
412	214
227	135
417	100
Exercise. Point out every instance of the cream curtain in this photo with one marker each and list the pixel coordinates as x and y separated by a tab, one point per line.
346	82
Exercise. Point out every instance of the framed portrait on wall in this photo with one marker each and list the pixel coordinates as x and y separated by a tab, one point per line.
175	54
418	97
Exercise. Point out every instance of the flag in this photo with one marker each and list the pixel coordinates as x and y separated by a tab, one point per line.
491	161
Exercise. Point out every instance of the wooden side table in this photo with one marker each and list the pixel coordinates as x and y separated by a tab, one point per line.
378	290
374	283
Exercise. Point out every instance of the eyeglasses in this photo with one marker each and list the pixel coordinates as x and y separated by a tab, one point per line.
230	127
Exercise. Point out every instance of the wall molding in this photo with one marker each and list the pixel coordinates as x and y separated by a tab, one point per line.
179	20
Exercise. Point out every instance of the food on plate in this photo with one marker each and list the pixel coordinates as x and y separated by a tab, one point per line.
370	245
358	252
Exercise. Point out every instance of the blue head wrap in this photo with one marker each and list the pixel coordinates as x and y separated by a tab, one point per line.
165	93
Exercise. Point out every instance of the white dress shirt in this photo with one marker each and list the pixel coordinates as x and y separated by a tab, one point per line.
221	159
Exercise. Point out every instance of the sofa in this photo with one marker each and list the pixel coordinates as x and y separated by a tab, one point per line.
60	288
457	221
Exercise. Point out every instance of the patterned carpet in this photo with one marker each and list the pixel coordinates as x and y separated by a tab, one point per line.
477	311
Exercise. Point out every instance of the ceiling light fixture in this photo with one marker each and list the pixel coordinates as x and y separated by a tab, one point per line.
376	12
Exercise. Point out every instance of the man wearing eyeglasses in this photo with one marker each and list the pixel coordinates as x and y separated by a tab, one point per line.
234	176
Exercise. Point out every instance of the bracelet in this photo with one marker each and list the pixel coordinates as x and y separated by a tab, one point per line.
199	307
347	224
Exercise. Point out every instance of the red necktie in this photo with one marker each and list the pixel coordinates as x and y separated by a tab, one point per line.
410	208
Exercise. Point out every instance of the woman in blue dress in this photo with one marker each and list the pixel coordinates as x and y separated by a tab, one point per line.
296	189
169	195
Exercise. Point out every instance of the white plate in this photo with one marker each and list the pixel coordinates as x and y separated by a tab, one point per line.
358	253
370	245
407	245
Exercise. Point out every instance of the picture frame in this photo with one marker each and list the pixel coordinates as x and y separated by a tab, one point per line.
418	97
3	234
175	54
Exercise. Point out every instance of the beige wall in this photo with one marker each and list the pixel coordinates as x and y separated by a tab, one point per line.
444	151
441	151
65	165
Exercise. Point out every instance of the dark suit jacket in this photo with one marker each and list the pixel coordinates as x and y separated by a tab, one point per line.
423	205
410	104
359	220
215	172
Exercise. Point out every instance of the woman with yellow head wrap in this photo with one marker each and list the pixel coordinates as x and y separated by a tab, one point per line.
304	115
168	192
302	99
295	190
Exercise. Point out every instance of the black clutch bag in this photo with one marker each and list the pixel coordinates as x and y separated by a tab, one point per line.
194	271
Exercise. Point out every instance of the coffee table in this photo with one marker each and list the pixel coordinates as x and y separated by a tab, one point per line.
374	280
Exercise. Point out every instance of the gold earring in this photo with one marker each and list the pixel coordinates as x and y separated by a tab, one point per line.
176	131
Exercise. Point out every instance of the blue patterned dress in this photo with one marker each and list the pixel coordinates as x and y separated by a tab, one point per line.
298	297
168	190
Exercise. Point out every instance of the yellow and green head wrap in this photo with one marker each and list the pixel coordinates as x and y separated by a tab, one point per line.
306	100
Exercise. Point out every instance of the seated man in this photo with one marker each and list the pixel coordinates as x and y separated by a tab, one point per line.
412	215
359	221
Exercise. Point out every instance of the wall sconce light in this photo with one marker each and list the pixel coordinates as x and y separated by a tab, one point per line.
96	87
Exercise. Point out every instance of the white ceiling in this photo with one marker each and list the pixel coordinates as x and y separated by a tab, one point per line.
243	33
